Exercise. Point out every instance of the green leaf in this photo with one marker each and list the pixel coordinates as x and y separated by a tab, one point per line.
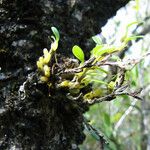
106	50
96	49
101	69
127	28
115	58
98	81
78	53
97	39
137	5
132	23
133	38
102	50
56	33
115	118
107	119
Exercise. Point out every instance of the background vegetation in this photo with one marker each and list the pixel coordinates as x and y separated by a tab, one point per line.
125	120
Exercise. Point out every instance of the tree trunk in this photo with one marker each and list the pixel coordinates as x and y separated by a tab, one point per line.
29	117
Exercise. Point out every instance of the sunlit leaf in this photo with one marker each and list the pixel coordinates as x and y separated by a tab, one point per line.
96	49
106	50
132	23
115	118
97	39
137	6
77	51
102	50
127	28
133	38
56	33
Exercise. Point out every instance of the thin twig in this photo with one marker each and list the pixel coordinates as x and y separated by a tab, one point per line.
127	112
109	97
130	108
120	64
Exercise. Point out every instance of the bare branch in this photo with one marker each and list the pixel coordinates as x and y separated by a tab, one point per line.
125	64
109	97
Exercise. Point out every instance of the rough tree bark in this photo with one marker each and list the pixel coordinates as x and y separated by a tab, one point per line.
36	121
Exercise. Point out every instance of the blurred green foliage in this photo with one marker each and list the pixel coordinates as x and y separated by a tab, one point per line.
130	135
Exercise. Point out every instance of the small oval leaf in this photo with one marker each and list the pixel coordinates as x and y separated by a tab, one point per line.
56	33
78	53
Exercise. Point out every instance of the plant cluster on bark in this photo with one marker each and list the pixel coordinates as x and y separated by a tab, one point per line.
49	115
